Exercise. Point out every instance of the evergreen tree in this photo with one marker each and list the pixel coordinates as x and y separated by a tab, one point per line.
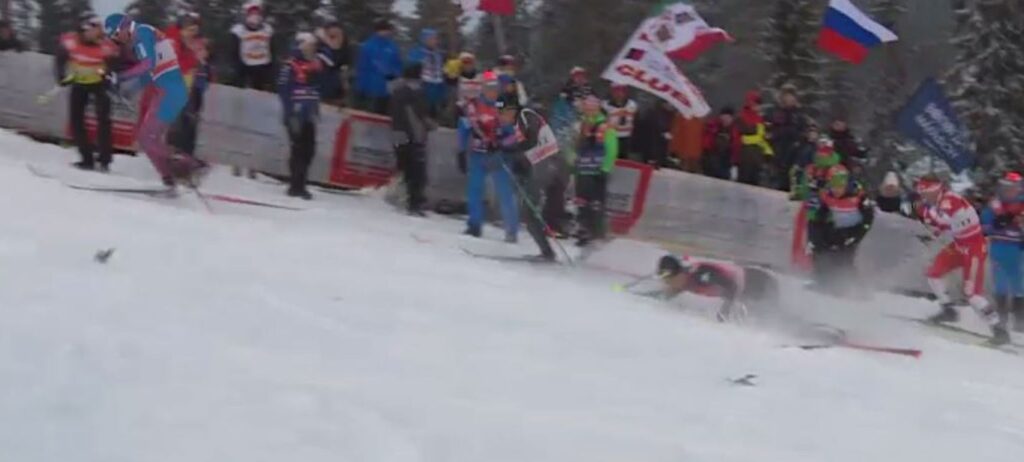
290	17
156	13
443	16
217	17
586	33
57	17
987	81
358	16
887	91
789	45
23	13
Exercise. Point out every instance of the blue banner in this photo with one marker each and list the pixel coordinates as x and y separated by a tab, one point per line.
928	119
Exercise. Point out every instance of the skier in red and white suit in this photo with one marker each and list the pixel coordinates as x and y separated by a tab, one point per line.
945	212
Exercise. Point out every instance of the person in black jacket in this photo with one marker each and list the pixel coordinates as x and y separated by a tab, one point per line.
410	125
300	101
838	222
539	168
8	39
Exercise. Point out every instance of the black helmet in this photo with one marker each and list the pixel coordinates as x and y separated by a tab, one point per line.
669	266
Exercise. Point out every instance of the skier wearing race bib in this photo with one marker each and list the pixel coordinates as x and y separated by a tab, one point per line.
1002	221
157	67
740	288
945	212
538	167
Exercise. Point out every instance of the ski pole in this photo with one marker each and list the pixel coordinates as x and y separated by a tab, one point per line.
635	282
534	210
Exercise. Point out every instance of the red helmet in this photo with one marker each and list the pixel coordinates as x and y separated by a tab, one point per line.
929	184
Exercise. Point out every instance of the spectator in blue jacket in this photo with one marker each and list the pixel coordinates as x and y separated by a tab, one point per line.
428	55
300	101
380	61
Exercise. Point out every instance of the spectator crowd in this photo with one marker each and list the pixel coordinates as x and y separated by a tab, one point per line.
504	134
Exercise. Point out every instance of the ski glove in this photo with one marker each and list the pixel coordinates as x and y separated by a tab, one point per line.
113	82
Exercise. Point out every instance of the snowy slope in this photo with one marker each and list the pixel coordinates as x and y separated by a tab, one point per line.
348	332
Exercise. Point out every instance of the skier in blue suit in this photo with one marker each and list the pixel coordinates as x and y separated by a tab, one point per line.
1001	221
157	66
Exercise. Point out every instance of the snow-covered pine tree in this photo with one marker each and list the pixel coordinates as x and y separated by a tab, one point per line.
887	91
157	13
23	14
290	17
55	18
586	33
217	17
789	46
987	81
442	16
358	16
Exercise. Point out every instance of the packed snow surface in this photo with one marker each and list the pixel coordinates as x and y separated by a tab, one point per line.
350	332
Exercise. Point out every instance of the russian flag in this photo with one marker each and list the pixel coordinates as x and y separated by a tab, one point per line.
849	33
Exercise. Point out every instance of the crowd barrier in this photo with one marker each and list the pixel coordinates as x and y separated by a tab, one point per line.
700	214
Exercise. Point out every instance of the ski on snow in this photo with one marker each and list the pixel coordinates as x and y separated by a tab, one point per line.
535	259
960	335
154	191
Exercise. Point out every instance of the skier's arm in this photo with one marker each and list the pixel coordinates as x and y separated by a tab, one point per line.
145	51
60	65
988	221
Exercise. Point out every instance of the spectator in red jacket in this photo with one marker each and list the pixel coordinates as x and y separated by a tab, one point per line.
721	144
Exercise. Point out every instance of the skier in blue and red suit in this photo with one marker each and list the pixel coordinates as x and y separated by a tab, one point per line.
1002	221
157	66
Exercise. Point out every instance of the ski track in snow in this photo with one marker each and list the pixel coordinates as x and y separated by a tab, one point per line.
349	332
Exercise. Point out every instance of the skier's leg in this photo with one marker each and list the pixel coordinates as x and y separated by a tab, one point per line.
974	283
477	174
506	198
554	203
946	261
102	101
78	101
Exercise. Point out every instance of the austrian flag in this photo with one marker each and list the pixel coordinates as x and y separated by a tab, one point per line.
849	33
502	7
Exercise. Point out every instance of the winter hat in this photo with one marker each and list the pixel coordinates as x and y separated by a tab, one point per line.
506	60
467	57
252	7
577	70
619	89
427	34
188	18
727	110
929	183
89	20
305	38
491	81
669	265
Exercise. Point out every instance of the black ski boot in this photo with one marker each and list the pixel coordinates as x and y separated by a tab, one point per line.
946	316
473	231
83	165
301	193
999	336
1017	309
